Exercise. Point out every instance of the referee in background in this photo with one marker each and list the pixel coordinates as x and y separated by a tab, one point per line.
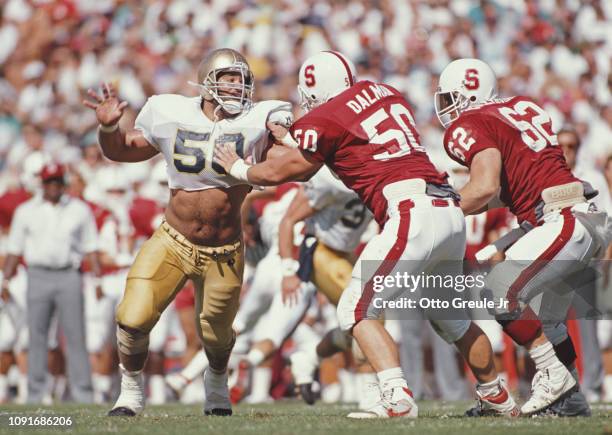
54	232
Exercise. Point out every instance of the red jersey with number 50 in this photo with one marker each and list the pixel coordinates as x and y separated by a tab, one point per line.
521	131
367	136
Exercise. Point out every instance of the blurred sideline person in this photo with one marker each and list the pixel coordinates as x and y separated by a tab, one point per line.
197	242
514	160
365	133
54	232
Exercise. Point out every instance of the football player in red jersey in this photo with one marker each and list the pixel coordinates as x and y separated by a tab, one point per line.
364	132
513	157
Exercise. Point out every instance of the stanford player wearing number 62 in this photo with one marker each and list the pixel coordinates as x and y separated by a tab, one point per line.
513	157
365	133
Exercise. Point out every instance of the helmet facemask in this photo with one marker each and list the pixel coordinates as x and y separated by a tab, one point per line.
307	101
449	106
232	103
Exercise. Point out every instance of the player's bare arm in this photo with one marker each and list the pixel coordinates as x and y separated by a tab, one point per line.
117	145
292	165
298	210
483	186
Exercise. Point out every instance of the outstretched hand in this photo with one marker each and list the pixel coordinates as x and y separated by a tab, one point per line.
109	109
225	155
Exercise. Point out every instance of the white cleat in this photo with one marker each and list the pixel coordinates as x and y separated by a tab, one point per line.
131	401
217	394
177	383
499	404
397	402
548	386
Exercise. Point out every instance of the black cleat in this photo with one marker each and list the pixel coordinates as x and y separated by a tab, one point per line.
121	411
219	412
307	393
573	404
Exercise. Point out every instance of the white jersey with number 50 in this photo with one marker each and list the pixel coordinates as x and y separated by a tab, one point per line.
341	217
179	129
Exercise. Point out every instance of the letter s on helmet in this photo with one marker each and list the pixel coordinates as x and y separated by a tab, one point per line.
463	83
323	76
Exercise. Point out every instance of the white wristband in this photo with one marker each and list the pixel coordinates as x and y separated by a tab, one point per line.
289	141
239	170
108	128
96	281
289	266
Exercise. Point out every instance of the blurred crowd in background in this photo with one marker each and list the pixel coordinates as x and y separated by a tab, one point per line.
557	51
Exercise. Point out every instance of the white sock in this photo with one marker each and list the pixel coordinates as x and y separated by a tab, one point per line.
490	388
608	388
101	386
22	389
391	378
59	387
367	389
196	366
262	380
3	388
125	372
347	382
543	355
255	357
157	389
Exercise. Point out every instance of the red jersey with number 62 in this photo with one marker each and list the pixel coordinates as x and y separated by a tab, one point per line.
522	132
367	136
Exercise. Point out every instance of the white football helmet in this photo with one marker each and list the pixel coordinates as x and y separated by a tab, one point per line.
463	83
323	76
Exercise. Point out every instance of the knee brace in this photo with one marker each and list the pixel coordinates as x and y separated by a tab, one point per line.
521	327
131	341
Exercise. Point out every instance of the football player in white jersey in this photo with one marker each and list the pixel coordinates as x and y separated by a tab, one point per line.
335	221
200	238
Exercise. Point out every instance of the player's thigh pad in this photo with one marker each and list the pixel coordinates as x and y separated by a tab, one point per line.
379	258
217	296
538	265
158	273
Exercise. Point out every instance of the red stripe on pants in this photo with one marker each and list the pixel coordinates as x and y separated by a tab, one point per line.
569	222
394	254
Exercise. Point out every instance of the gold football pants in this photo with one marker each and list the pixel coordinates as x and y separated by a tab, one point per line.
331	271
161	268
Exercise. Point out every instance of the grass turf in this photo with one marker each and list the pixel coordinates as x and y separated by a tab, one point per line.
293	417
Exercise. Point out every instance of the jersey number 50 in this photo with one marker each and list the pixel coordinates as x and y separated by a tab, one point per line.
397	141
193	152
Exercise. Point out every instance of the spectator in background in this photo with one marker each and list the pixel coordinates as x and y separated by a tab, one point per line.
53	232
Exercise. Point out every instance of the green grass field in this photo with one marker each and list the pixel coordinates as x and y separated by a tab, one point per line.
293	417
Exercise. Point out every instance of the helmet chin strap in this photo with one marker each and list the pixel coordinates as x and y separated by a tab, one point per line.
231	107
